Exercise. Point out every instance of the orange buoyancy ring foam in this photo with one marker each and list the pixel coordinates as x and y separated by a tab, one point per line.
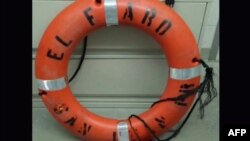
85	16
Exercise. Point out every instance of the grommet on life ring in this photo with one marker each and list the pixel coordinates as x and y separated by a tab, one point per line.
85	16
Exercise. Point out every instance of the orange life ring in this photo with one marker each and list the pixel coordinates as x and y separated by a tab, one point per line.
83	17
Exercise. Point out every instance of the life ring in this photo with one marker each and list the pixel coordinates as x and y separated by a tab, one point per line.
85	16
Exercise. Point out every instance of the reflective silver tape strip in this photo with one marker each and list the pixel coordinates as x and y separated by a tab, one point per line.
52	85
122	129
185	74
111	12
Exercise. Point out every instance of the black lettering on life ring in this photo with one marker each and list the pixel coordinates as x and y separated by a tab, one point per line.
89	17
85	129
54	55
129	12
71	121
167	25
60	40
59	109
185	89
146	17
161	122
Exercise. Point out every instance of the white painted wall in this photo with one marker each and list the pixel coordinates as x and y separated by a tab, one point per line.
210	23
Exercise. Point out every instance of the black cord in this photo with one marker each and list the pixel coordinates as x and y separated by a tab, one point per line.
180	99
81	59
145	124
175	132
206	86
